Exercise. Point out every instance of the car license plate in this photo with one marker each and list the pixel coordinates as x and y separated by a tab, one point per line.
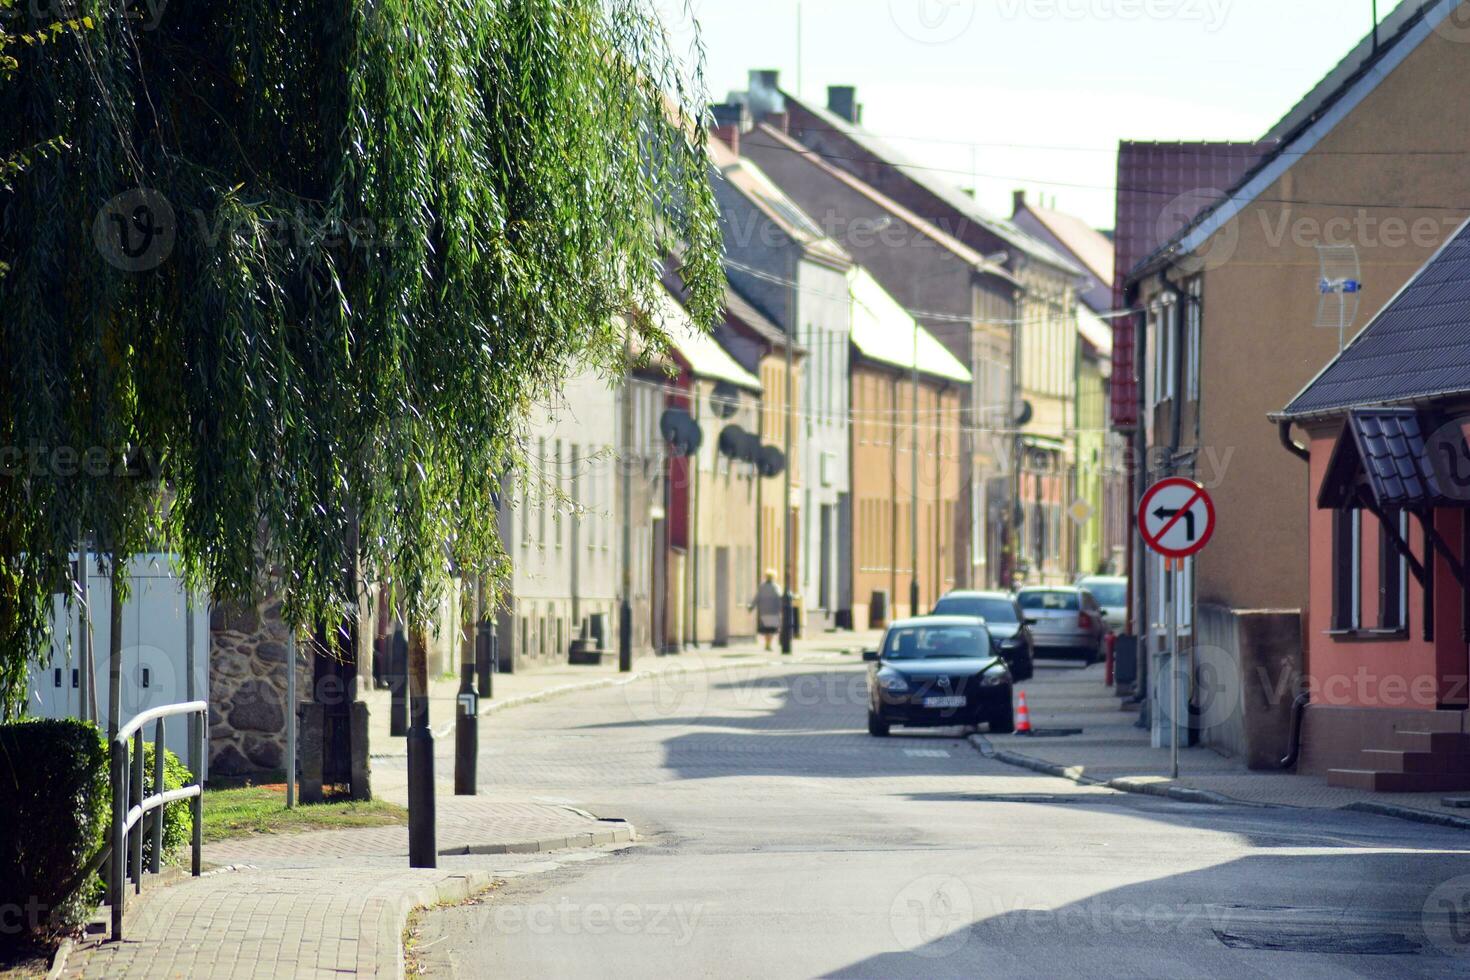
957	701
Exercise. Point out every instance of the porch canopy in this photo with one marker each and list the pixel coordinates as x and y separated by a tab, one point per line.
1382	462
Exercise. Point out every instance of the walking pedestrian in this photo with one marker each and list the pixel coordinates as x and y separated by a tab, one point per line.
767	605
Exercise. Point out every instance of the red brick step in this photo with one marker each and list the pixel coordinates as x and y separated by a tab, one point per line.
1452	742
1393	760
1375	781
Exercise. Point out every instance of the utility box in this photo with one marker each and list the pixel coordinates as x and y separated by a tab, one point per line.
1161	698
155	658
1125	664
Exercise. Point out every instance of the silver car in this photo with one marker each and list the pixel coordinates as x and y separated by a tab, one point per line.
1111	592
1067	622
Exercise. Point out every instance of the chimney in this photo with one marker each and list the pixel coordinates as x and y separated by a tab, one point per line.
780	120
730	120
764	97
765	79
1018	202
842	102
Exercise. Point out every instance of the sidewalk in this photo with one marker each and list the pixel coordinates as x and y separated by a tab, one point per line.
332	902
524	687
335	902
1111	750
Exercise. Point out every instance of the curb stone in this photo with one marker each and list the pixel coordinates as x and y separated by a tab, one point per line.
1189	795
1409	813
58	959
393	917
623	833
451	890
1123	784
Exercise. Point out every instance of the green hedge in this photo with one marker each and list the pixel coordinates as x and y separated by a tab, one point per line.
56	809
53	781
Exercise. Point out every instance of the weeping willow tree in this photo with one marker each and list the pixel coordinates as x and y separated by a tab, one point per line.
301	268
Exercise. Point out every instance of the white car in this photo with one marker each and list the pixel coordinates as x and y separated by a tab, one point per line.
1111	592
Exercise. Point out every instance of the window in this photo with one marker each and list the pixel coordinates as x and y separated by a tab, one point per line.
557	503
1194	321
1347	543
525	512
1165	341
541	494
1393	586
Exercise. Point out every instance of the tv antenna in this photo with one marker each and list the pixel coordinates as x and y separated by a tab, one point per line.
1341	286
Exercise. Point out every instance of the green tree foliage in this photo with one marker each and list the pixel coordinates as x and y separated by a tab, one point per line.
303	266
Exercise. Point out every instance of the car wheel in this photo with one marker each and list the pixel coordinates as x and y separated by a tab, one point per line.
1003	722
877	727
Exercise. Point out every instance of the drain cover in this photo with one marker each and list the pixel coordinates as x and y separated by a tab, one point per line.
1354	944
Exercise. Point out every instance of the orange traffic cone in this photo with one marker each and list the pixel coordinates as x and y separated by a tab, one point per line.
1023	715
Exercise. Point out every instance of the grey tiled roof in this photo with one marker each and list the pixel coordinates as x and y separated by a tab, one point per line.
1384	448
1416	348
1392	447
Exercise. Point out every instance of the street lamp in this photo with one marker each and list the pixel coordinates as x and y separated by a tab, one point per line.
788	556
914	481
625	617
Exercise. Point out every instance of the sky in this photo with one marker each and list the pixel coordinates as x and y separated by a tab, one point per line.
1003	95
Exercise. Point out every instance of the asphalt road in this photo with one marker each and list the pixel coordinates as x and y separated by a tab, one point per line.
780	840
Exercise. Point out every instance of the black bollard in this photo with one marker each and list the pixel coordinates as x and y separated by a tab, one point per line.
422	851
467	728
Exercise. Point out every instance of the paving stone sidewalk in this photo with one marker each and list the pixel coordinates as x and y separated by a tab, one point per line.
1111	748
333	902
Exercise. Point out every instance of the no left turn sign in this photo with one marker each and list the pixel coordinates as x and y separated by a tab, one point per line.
1176	517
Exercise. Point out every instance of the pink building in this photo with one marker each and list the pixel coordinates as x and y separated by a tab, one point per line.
1388	624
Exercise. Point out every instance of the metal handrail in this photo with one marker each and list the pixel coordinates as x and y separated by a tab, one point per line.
129	806
162	711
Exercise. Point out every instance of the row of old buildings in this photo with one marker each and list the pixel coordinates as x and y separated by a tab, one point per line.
904	395
1297	343
910	389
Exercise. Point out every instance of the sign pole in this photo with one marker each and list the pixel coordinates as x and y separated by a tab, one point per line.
1173	577
291	709
1176	519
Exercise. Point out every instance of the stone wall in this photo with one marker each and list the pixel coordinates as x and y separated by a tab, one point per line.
247	677
247	685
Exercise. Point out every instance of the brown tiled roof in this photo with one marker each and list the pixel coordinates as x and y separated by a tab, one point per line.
1162	187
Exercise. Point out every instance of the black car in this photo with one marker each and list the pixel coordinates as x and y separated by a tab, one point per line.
1010	629
935	672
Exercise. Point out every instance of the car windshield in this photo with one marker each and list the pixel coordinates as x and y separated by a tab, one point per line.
992	609
1107	593
936	642
1049	600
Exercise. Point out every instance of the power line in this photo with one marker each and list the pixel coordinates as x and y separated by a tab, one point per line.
1147	191
1071	148
919	314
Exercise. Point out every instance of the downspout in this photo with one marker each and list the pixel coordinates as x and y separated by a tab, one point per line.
1283	432
1299	706
1176	324
1138	479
